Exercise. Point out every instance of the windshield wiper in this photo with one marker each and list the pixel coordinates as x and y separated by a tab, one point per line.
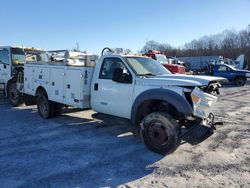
147	74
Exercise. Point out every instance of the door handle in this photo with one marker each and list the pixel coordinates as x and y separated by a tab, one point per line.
96	87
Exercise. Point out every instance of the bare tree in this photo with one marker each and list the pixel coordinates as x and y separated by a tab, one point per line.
229	43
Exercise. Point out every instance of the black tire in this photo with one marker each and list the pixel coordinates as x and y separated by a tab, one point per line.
46	108
14	95
29	100
160	132
58	109
240	81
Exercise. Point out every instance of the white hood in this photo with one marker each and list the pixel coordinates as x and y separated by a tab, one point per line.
202	80
163	82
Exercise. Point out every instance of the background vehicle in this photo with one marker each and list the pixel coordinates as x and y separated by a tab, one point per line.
238	63
200	63
12	60
169	63
236	76
127	86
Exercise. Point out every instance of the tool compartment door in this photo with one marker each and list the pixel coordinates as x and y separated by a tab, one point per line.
29	80
42	77
74	87
57	84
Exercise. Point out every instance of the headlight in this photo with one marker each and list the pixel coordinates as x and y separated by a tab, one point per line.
248	74
202	102
195	98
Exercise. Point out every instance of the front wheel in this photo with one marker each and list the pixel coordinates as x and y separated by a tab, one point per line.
240	81
160	132
14	95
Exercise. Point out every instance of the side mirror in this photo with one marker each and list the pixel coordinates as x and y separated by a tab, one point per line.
120	77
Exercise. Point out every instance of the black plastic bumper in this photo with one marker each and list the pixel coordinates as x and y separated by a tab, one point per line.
198	133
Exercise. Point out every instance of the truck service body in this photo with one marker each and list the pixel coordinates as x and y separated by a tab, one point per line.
137	88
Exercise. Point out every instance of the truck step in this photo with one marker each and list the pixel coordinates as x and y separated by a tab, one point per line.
197	134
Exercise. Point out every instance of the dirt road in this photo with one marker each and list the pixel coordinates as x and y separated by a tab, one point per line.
84	149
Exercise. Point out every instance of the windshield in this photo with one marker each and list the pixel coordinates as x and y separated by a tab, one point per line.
224	63
146	66
18	56
161	58
231	67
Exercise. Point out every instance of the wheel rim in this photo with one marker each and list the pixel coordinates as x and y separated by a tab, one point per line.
240	82
157	133
43	106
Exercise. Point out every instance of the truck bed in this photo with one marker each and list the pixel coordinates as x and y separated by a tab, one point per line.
69	85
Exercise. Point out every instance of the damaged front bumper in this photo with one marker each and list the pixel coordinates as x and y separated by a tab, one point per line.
202	103
202	109
200	131
209	121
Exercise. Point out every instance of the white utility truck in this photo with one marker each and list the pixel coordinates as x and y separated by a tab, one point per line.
163	106
12	60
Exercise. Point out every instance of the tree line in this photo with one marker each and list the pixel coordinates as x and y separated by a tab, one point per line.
229	44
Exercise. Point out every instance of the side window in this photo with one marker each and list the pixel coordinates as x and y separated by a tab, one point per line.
4	56
222	68
108	67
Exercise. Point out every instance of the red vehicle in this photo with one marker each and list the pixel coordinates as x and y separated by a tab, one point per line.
167	63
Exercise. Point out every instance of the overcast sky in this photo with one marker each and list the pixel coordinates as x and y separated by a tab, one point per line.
95	24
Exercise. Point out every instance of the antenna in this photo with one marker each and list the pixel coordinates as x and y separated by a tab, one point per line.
77	46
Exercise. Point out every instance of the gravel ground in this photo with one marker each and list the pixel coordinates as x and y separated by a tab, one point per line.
86	149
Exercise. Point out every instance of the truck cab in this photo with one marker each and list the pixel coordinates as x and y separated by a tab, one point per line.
140	89
236	76
118	77
9	59
12	60
168	63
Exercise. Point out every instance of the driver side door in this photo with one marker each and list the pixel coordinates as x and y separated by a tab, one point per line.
110	97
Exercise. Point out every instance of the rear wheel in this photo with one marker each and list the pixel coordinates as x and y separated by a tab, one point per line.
46	108
240	81
13	94
58	109
160	132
